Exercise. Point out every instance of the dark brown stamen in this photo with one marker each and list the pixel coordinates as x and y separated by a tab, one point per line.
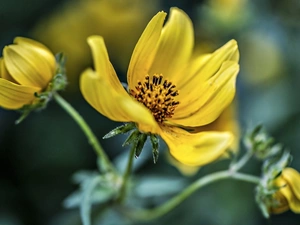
157	96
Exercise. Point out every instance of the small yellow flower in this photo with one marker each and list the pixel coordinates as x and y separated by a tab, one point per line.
288	195
26	68
168	90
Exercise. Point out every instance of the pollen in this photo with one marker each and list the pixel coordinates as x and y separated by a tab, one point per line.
158	95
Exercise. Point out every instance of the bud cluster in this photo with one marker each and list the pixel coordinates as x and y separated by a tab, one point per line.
274	191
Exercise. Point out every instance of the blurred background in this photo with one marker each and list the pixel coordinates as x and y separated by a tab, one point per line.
39	156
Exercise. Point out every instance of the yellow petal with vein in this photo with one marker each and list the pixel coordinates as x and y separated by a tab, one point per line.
292	176
4	73
117	106
26	66
205	66
202	105
145	50
175	45
196	149
41	49
14	96
102	64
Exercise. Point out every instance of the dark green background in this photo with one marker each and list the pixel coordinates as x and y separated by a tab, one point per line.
39	156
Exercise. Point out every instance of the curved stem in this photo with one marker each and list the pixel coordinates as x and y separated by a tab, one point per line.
241	162
126	175
93	141
144	215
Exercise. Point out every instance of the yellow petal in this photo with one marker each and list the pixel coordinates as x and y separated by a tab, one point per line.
183	169
117	106
145	50
41	49
196	149
283	204
102	64
292	177
204	103
14	96
27	66
287	192
293	201
205	66
227	121
4	73
175	45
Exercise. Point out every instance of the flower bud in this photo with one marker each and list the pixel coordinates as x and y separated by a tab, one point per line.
261	144
288	194
26	69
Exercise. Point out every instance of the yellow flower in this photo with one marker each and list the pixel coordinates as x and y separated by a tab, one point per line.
26	68
288	195
167	89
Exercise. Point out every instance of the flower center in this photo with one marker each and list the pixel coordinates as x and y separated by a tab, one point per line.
158	95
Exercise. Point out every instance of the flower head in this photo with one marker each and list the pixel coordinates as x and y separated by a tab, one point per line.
26	68
288	195
168	90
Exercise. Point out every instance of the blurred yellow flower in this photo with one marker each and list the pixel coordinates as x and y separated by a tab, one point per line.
288	195
26	68
168	90
226	15
116	20
263	59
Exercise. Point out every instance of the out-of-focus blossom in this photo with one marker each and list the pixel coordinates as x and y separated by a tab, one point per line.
262	59
225	15
168	89
120	22
26	68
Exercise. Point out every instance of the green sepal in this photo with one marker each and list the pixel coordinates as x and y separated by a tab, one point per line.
263	201
273	166
155	147
140	142
131	138
120	130
40	103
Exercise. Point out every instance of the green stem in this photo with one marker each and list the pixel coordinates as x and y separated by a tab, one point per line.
241	162
144	215
107	165
126	175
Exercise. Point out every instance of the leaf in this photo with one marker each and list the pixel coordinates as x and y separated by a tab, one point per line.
100	195
83	175
153	186
85	207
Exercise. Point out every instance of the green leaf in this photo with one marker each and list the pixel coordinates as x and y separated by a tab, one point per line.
154	186
85	207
